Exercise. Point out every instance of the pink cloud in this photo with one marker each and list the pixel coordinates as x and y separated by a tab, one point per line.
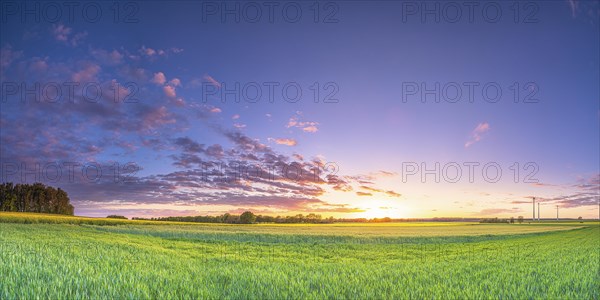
169	87
159	78
61	32
215	110
115	56
87	74
310	129
287	142
478	133
169	91
235	117
151	53
7	56
175	82
157	117
305	126
178	102
292	122
148	51
121	92
39	65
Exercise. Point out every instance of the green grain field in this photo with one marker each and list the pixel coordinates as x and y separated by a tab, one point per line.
57	257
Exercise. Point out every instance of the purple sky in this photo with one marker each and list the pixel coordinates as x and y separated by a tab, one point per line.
364	109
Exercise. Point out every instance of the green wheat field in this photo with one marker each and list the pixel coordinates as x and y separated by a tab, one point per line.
58	257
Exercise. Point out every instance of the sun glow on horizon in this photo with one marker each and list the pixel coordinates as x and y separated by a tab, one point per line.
381	210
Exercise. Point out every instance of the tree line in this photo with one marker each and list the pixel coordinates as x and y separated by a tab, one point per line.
246	218
249	217
496	220
35	197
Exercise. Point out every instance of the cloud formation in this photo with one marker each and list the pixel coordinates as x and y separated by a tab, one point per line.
228	170
65	34
296	122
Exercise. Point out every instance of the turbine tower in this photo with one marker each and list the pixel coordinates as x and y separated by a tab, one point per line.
533	218
557	213
538	211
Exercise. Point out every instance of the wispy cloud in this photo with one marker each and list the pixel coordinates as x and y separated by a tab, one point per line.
477	134
284	141
306	126
573	4
383	174
393	194
377	190
152	53
212	81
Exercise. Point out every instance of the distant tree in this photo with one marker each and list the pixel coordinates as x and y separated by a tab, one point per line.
265	219
231	218
580	219
313	218
520	219
512	220
225	217
116	217
247	217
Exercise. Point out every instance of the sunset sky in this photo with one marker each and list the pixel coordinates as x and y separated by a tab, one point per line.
172	139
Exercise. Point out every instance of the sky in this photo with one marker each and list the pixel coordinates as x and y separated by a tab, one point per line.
352	109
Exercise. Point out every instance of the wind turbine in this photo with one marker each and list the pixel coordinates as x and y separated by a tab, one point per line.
538	211
557	213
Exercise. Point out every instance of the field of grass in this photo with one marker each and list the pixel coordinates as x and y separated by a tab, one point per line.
45	256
